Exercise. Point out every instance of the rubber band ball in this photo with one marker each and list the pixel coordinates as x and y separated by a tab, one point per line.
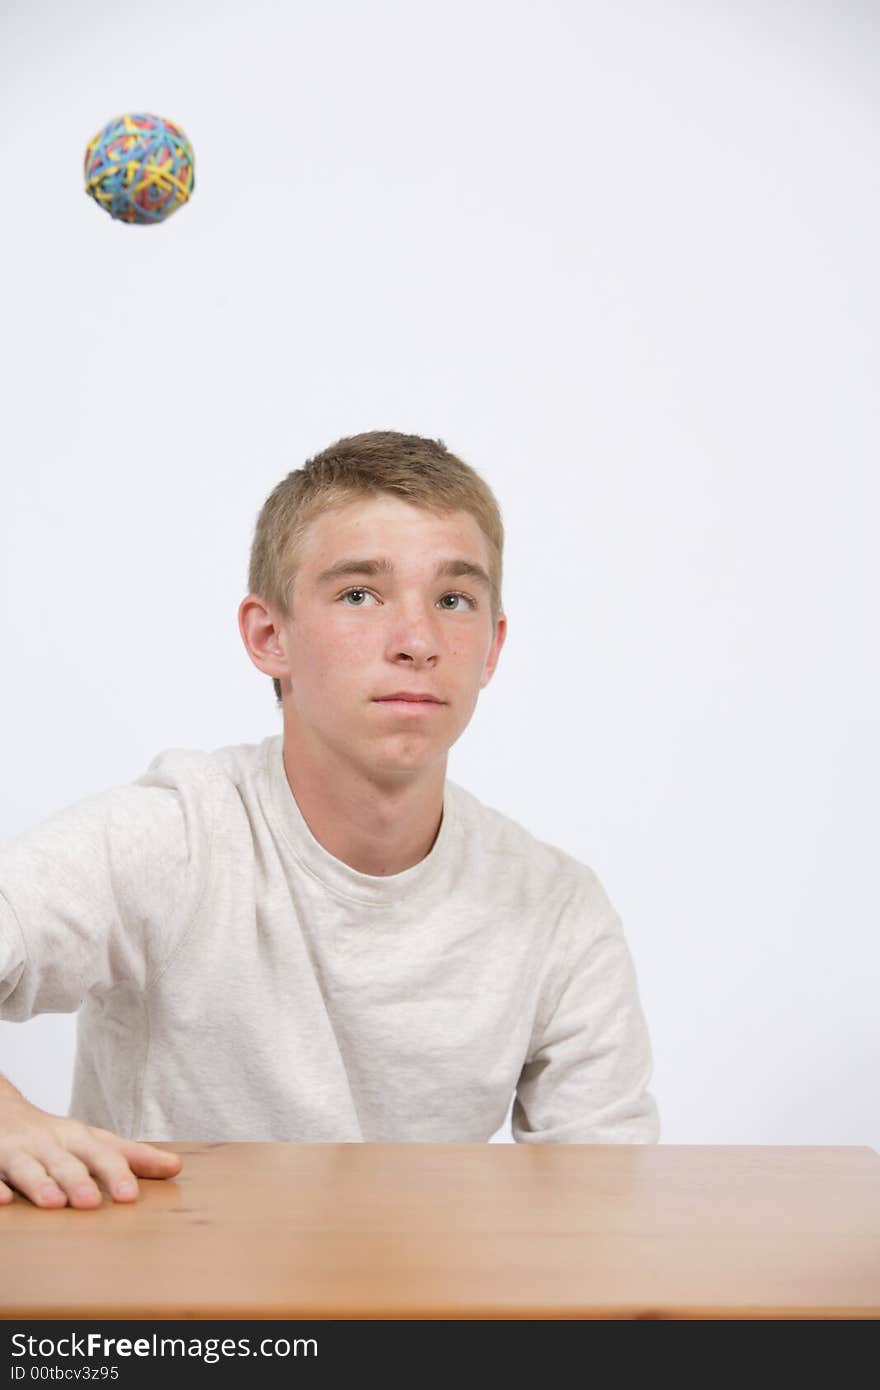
140	168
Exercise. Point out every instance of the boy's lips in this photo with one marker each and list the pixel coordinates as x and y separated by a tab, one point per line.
412	696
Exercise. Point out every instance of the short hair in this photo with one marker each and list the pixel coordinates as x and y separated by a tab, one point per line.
421	471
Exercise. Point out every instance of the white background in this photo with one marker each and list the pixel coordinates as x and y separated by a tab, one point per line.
623	259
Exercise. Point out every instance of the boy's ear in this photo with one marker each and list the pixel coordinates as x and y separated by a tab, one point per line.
259	628
494	650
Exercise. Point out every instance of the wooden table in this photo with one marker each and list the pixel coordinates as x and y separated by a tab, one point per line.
463	1231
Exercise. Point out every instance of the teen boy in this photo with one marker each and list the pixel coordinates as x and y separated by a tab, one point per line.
319	938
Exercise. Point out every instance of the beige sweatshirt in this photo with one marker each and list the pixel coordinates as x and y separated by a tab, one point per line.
235	981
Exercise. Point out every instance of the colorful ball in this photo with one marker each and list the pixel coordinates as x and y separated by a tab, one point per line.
140	168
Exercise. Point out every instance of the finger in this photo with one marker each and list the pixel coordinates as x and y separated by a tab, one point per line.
149	1162
73	1177
108	1167
144	1159
6	1193
30	1177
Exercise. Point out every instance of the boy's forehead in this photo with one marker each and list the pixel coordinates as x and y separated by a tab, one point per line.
381	520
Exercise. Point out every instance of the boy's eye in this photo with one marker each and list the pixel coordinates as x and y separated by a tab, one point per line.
356	591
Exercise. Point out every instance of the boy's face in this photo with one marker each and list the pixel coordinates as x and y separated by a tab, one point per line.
354	638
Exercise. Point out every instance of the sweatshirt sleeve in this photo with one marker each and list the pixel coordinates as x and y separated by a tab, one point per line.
586	1077
98	895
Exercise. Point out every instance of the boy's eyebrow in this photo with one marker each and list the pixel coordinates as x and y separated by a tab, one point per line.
456	567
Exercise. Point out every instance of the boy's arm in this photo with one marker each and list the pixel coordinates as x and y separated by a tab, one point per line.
92	898
95	897
586	1077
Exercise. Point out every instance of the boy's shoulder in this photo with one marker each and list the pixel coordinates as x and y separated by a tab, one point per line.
232	764
518	851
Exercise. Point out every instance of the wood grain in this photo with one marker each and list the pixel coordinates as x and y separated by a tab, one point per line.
463	1231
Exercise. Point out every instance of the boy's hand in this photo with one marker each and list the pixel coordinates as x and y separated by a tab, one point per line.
56	1161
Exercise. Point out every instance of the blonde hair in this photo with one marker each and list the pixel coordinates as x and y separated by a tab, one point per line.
421	471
